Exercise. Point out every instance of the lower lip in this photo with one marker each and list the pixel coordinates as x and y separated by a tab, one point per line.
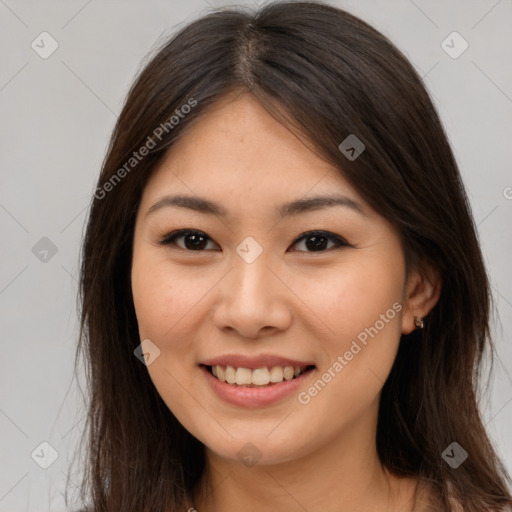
254	397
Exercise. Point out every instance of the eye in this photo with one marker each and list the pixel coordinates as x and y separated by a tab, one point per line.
192	240
314	241
317	241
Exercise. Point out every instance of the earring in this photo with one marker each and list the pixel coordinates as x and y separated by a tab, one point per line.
418	322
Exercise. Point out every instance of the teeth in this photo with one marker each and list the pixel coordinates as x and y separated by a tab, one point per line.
243	376
288	372
276	374
258	377
230	374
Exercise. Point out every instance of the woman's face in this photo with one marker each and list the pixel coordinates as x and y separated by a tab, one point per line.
248	287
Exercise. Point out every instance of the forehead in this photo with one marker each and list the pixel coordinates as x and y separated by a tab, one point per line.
237	149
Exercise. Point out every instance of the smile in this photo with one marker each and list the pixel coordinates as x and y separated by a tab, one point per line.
259	377
243	392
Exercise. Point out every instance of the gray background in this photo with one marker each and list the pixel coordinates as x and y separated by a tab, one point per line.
56	117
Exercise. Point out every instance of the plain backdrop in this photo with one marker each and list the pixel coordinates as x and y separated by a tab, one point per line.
56	116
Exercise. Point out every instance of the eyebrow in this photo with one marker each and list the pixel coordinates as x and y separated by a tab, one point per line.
297	207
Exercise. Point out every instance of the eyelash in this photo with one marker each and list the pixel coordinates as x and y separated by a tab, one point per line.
171	238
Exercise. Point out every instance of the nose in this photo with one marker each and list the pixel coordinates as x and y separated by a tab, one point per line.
253	301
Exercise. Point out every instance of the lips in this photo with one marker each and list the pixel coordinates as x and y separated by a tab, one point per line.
283	376
259	396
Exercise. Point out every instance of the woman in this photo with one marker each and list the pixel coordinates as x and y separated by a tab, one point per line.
284	303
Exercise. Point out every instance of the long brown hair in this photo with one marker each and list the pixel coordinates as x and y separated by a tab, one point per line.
325	74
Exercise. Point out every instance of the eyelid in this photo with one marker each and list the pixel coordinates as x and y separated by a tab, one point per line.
171	237
339	240
322	232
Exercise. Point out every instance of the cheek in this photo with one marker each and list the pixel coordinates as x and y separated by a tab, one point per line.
170	306
360	305
155	300
161	296
349	298
163	304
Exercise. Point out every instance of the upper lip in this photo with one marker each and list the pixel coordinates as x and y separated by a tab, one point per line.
253	362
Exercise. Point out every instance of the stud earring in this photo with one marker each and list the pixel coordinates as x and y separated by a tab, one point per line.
419	322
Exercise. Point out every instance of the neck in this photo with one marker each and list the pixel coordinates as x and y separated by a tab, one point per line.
345	475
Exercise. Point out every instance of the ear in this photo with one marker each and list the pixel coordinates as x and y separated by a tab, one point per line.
423	289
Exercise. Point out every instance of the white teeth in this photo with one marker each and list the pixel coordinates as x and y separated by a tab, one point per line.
261	376
243	376
276	374
258	377
288	372
230	375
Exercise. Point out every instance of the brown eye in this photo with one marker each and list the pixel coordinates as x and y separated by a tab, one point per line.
192	240
317	241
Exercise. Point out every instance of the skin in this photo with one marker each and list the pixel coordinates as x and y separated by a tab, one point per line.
291	301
